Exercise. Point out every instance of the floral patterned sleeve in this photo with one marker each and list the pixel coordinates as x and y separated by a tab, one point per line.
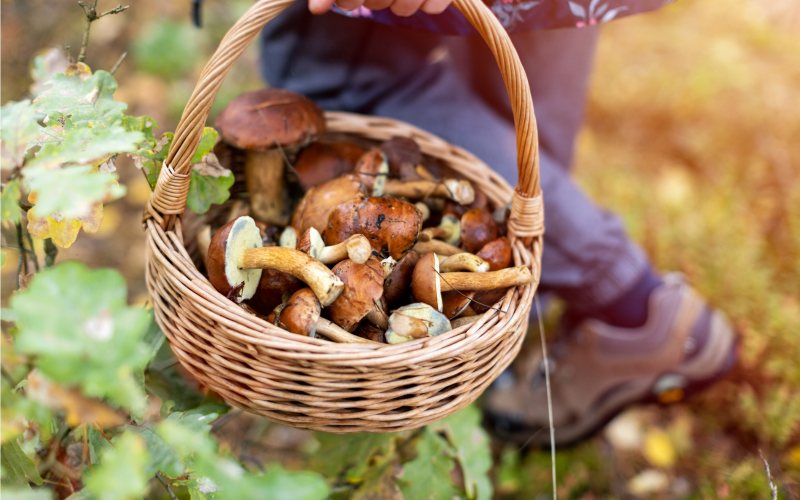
519	15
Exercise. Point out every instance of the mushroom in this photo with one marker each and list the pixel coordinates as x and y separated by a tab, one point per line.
269	124
428	282
451	207
370	332
391	225
448	230
321	161
398	282
415	321
355	248
456	302
236	259
499	256
273	287
457	190
372	170
300	314
318	202
477	229
362	296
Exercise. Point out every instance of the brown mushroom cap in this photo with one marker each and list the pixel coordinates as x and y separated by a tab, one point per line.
454	303
322	161
300	314
318	203
390	224
271	117
477	229
363	291
425	281
497	253
398	283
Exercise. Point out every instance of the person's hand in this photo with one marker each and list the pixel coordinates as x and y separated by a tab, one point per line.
402	8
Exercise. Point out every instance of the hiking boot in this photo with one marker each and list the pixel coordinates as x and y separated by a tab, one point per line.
597	370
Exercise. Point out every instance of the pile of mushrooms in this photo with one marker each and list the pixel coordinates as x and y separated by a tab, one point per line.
376	246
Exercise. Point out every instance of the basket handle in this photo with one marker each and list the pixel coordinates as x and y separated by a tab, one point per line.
169	196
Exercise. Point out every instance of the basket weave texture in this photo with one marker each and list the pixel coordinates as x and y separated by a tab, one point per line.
314	383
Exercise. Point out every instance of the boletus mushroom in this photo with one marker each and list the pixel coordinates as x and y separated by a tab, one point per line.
322	161
319	201
478	228
300	314
458	190
269	124
236	259
362	296
499	256
428	282
391	225
415	321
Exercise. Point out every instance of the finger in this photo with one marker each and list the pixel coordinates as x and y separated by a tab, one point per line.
320	6
377	4
435	6
349	4
405	8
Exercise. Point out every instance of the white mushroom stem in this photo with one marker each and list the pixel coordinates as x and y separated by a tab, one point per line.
334	332
355	248
511	276
463	261
460	191
264	177
436	246
325	285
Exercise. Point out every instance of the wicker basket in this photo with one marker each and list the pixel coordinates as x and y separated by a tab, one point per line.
314	383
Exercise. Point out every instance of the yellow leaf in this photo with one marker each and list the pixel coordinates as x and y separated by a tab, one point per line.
63	231
658	449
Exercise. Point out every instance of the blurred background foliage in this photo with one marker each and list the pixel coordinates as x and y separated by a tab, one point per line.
691	136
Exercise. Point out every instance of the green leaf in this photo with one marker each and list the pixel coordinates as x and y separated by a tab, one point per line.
77	323
27	494
84	145
84	101
18	468
19	132
349	455
428	475
210	184
122	471
70	192
11	213
161	456
471	445
150	158
206	144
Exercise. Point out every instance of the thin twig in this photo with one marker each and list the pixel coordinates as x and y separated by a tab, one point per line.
91	16
549	396
22	268
165	484
34	257
117	64
772	487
